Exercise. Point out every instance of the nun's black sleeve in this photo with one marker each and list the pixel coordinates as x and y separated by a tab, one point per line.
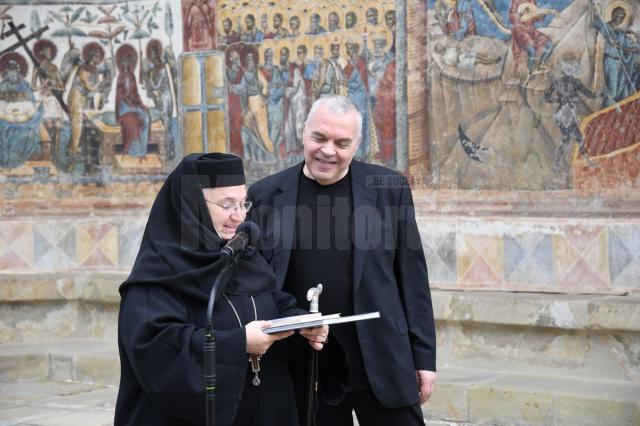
165	350
286	304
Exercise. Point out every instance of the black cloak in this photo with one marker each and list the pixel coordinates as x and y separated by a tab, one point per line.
163	314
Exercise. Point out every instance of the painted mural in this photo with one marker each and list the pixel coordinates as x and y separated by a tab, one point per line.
534	95
88	91
282	56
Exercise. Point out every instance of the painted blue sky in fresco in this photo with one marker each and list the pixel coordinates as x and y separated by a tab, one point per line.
485	25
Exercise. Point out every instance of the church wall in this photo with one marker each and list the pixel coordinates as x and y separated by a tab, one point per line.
506	220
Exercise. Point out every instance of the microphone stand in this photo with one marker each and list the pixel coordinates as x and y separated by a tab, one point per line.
209	342
311	400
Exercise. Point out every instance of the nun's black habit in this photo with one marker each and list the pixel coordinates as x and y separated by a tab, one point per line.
163	314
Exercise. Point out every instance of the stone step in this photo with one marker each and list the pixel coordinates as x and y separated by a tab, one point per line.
483	397
86	361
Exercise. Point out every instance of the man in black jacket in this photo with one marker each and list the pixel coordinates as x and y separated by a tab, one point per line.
351	226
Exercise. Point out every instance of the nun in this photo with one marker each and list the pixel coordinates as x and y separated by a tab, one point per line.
163	306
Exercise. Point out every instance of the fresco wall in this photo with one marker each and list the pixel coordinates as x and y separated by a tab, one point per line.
528	95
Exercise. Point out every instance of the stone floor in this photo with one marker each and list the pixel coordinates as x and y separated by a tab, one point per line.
52	403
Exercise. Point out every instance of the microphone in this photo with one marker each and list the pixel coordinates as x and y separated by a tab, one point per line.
246	233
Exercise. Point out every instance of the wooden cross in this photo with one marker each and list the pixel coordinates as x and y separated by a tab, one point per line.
23	42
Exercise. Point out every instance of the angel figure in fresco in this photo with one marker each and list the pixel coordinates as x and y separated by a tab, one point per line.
47	82
20	114
565	91
132	115
158	85
621	51
200	26
524	15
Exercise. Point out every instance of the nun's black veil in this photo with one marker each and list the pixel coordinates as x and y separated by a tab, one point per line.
180	247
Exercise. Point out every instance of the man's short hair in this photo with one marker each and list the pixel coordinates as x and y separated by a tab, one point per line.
337	105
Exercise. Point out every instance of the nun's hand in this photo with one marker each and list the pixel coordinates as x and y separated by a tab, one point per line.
257	341
317	336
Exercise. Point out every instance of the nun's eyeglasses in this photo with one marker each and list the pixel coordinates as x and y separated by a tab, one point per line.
228	207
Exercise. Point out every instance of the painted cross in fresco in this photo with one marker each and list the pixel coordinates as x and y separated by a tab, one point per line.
22	42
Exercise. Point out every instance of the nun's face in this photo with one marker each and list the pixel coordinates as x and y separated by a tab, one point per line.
227	208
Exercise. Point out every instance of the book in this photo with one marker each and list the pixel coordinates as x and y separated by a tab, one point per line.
314	320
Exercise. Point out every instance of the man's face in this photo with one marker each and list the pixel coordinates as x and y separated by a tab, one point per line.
379	45
284	56
226	25
390	19
350	20
294	23
268	56
618	16
314	21
318	52
234	57
330	142
335	51
277	21
302	54
250	62
372	16
249	21
352	49
334	21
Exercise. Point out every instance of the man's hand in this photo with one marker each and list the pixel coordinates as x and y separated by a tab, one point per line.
426	383
317	336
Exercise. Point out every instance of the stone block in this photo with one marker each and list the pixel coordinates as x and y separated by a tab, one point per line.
492	405
23	367
573	410
98	368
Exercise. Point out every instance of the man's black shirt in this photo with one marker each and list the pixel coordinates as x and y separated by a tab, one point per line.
322	253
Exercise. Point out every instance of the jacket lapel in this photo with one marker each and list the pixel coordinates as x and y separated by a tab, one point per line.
284	205
364	200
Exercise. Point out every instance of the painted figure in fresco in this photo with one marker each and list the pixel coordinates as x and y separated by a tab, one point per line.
382	77
251	34
257	144
314	25
325	77
334	21
350	20
158	86
85	83
295	103
523	15
278	30
235	72
355	73
274	98
379	60
229	35
20	114
464	60
306	71
200	26
131	113
372	16
294	24
460	20
47	82
565	91
390	21
338	64
621	54
264	24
